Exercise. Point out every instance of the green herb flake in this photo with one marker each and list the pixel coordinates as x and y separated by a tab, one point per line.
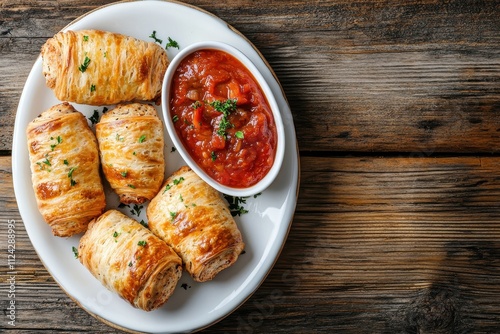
172	44
116	234
153	36
83	67
142	138
225	108
142	243
235	205
85	38
124	173
75	251
179	180
130	264
65	162
131	186
94	119
175	118
70	175
213	155
136	209
173	215
92	88
167	188
58	141
239	134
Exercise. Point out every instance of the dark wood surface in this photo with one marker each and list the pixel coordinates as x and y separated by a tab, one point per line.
396	107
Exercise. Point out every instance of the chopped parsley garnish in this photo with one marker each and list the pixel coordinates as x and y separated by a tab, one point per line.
85	38
130	264
142	138
105	54
171	44
115	235
235	206
224	124
213	155
225	108
239	134
83	67
153	36
94	119
75	251
142	243
181	198
175	118
47	161
179	180
70	175
136	209
124	173
167	188
131	186
173	215
58	139
92	88
65	162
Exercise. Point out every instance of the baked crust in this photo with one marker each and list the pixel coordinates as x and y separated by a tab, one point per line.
100	68
193	218
64	163
131	148
129	260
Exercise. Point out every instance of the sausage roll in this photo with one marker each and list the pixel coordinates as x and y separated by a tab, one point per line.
131	147
98	67
130	260
193	218
64	163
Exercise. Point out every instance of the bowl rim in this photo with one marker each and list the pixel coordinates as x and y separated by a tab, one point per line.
271	175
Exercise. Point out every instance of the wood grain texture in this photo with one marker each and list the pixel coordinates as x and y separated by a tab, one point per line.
393	245
397	114
379	76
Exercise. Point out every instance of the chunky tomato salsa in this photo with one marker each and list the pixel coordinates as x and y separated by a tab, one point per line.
223	118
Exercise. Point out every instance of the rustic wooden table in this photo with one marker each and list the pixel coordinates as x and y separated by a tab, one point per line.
396	106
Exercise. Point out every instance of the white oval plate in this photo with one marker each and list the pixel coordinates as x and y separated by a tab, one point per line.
193	306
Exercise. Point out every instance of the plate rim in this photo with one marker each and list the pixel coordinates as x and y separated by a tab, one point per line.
297	176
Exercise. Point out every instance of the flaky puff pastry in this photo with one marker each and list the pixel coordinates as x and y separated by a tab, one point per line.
193	218
130	260
131	148
64	162
98	67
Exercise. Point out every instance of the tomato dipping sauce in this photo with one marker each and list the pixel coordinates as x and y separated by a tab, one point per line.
223	118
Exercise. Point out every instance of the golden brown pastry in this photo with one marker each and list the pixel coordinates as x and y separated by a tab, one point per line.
64	164
130	260
131	147
98	67
192	217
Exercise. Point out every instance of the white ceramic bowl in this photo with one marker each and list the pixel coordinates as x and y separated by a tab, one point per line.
280	149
